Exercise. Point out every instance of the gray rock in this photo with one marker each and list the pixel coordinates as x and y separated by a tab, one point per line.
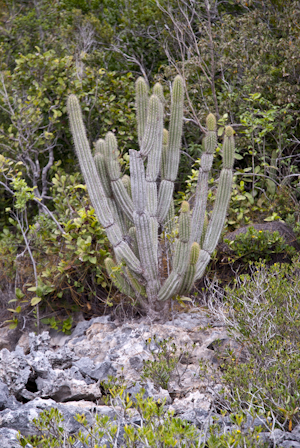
295	434
274	438
188	321
6	400
85	366
290	444
8	438
14	370
82	327
103	370
9	338
21	419
61	386
63	358
196	417
39	342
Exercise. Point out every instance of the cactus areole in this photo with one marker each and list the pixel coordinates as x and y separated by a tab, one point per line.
137	211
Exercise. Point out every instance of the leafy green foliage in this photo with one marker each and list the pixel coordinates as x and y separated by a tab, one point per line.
157	428
166	357
255	245
263	317
68	264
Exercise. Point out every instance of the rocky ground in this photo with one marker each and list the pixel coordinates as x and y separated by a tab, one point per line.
66	372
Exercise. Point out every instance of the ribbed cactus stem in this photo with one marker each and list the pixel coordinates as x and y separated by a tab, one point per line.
202	263
117	278
101	166
194	253
153	134
211	122
133	240
169	222
165	196
190	273
114	170
184	222
95	187
172	284
217	220
87	164
172	153
205	225
175	130
100	146
210	144
127	183
139	289
158	91
164	153
138	181
228	148
141	103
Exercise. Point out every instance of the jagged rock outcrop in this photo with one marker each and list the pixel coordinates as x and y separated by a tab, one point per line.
65	373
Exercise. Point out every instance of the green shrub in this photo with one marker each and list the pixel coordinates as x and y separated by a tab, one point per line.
262	312
54	259
255	245
166	357
153	426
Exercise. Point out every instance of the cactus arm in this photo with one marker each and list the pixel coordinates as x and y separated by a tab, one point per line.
190	273
135	284
172	154
154	128
114	170
210	144
138	181
95	187
117	278
217	220
133	241
87	165
165	196
141	103
100	147
102	173
175	130
181	257
158	91
144	228
202	262
101	166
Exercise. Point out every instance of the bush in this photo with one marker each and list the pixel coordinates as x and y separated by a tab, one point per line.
145	423
263	315
258	245
54	259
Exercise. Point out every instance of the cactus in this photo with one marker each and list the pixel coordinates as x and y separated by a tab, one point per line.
137	210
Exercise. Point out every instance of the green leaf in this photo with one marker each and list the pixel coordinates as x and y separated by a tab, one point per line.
238	156
19	294
35	301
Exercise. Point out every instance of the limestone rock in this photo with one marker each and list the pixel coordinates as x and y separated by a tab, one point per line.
8	438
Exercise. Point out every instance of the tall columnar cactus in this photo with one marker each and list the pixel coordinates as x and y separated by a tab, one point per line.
135	211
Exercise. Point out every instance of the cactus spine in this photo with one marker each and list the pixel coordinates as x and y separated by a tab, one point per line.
136	210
